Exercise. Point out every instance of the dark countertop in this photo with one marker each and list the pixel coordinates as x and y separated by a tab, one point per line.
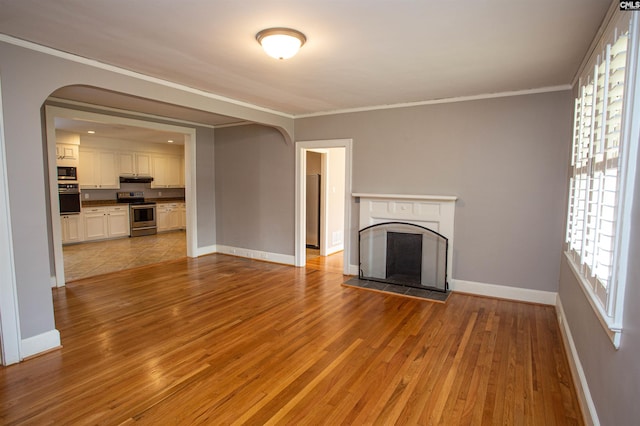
105	203
166	200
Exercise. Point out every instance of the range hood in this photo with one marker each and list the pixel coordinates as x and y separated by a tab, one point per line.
136	179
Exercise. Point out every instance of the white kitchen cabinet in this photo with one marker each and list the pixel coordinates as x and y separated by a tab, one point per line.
67	155
97	170
71	226
168	216
118	221
95	223
134	164
166	170
106	222
182	207
162	217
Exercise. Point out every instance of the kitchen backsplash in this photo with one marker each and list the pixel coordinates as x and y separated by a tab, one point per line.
110	194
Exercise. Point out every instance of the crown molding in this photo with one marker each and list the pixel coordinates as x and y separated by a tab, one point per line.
559	88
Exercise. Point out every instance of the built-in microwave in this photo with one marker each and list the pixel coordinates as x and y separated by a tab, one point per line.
67	173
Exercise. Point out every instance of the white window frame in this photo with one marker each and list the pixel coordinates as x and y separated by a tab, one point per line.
609	307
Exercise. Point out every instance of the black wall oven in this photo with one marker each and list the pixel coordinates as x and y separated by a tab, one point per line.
69	196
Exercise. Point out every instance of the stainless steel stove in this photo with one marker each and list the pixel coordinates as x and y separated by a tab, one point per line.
142	213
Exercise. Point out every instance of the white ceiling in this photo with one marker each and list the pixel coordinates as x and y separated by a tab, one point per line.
359	53
117	131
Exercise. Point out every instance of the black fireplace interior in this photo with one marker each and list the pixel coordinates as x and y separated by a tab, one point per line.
404	254
404	258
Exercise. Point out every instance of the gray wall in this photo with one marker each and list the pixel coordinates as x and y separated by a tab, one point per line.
205	186
613	376
28	78
254	171
504	158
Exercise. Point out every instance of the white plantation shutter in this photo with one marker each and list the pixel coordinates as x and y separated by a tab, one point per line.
596	164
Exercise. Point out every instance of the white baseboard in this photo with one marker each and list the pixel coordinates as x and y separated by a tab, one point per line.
334	249
589	413
504	292
53	281
201	251
257	254
353	270
40	343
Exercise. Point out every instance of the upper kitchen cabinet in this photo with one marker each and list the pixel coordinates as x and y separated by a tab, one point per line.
166	171
67	149
134	164
98	169
65	152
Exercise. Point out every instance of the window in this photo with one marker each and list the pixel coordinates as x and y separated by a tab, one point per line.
602	171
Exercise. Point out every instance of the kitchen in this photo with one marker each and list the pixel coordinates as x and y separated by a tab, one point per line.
121	189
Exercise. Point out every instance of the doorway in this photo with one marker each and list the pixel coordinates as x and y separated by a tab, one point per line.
334	213
187	136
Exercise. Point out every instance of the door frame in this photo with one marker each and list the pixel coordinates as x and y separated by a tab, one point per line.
51	112
9	317
300	196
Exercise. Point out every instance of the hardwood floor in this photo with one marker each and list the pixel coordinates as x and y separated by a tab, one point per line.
224	340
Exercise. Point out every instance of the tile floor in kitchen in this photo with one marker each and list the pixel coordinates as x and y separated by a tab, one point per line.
100	257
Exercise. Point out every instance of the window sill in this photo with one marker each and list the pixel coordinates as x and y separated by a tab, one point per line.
613	329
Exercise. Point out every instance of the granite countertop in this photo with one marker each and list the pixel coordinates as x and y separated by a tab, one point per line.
104	203
167	200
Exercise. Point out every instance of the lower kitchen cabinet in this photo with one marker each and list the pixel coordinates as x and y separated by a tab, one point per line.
170	216
183	215
106	222
118	221
95	223
71	226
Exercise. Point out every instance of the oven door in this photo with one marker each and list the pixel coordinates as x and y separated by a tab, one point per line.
143	216
69	203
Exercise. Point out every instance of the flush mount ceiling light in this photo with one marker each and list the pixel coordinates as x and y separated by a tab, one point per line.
281	43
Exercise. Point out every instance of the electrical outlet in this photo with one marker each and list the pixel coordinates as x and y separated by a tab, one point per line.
159	193
86	195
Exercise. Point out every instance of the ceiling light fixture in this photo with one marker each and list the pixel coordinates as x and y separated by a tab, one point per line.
170	141
91	132
281	43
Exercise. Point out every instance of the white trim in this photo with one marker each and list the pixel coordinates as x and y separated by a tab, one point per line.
190	191
613	330
613	7
51	112
40	343
504	292
300	195
589	413
93	63
334	249
9	312
203	251
353	270
548	89
285	259
408	197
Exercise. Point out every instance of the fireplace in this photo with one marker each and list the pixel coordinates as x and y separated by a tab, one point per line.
403	254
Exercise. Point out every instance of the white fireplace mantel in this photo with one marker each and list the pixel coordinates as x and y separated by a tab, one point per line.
436	212
407	197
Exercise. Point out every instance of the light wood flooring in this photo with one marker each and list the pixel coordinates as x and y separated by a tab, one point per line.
100	257
222	340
